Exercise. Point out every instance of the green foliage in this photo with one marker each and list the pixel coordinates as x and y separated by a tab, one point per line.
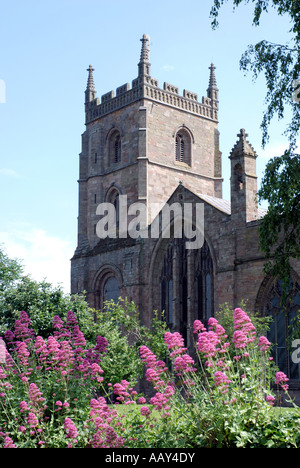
224	317
49	389
200	413
280	228
41	301
280	64
120	324
10	271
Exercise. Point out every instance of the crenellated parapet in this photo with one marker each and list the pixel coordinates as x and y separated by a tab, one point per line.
147	87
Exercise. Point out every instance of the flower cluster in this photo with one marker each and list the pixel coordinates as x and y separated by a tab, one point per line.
155	369
221	381
126	394
63	357
183	362
280	379
264	343
212	343
101	418
244	329
71	431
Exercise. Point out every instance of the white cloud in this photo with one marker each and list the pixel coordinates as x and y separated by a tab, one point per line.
274	150
42	255
9	173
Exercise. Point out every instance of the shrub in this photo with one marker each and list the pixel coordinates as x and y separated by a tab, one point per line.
52	391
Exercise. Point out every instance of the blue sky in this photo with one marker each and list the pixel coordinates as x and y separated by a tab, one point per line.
46	48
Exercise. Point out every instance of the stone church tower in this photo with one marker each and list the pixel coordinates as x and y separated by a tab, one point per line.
150	145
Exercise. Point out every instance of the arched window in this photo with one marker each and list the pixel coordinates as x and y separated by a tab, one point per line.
183	146
283	321
238	177
114	147
113	197
111	290
188	278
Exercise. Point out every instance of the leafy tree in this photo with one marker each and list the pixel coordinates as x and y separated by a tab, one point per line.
280	63
10	271
41	301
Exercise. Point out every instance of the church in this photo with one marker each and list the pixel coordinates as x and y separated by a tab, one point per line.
147	148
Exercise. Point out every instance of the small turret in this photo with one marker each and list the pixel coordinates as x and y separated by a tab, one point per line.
213	90
144	64
90	92
243	180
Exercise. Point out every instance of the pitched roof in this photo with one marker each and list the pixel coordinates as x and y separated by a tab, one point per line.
225	205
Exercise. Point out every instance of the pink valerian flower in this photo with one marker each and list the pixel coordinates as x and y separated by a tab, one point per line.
70	429
145	411
198	326
213	325
65	357
175	342
24	406
95	370
8	443
35	394
53	346
60	331
41	349
184	364
240	339
161	400
78	338
244	329
121	390
207	343
263	343
32	420
280	378
155	368
101	418
22	353
222	381
57	322
9	336
71	320
23	332
270	400
95	354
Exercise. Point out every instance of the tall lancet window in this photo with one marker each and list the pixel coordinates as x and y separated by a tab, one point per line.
183	146
114	148
205	283
166	280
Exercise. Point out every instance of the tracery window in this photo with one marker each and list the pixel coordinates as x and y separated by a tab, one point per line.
176	272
